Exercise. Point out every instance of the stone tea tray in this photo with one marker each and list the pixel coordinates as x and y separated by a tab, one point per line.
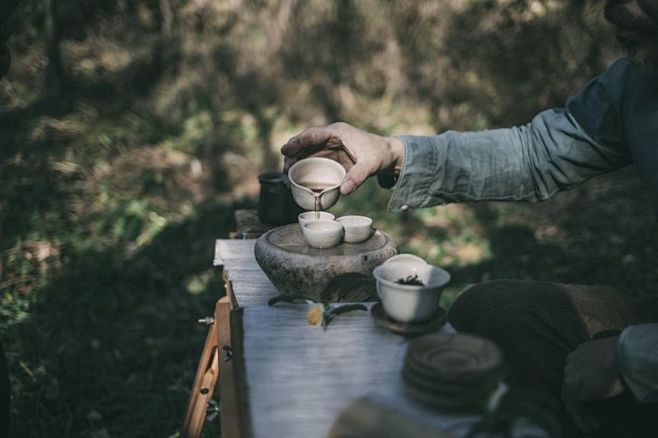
342	273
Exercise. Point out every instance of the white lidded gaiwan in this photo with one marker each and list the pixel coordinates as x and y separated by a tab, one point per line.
315	182
323	234
407	302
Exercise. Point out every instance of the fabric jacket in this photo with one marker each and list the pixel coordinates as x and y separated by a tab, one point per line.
611	123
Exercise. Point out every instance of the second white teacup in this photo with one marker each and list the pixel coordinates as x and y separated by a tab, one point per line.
357	228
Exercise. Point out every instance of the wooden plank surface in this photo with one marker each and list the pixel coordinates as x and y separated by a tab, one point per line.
250	284
300	377
251	287
227	249
241	264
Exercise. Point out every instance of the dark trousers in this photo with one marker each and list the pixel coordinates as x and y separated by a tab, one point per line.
537	324
4	395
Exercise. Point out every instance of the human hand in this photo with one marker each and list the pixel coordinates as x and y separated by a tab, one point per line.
361	153
590	374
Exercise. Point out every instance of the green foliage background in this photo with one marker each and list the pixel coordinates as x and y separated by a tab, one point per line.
115	180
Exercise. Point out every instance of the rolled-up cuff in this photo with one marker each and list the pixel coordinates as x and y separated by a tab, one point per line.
418	173
637	360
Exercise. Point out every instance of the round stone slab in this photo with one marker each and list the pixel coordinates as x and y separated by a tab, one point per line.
342	273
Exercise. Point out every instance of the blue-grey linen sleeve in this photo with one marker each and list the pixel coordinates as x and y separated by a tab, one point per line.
637	360
559	149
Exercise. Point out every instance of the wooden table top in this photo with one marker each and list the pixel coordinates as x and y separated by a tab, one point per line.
300	377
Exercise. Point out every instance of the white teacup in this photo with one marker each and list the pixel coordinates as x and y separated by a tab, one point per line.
357	228
407	302
315	182
312	216
323	234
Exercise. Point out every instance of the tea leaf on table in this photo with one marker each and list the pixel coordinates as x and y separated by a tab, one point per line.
330	313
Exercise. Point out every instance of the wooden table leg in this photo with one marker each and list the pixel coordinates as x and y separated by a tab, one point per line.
203	387
220	361
233	393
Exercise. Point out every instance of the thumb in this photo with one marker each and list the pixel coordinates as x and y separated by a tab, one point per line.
355	177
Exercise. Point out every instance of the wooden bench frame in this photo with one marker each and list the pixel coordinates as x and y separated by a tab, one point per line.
221	367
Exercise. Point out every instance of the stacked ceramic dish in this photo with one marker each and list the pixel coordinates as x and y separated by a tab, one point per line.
452	371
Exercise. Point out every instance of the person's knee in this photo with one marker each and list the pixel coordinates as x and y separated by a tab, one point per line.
476	301
466	309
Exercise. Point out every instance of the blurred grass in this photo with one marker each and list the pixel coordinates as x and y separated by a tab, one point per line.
112	192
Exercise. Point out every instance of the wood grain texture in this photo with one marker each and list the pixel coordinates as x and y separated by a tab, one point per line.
251	287
299	377
206	370
235	417
233	249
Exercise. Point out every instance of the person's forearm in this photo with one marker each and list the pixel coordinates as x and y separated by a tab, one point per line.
526	163
637	361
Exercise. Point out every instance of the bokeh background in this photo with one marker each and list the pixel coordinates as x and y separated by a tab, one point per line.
130	131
